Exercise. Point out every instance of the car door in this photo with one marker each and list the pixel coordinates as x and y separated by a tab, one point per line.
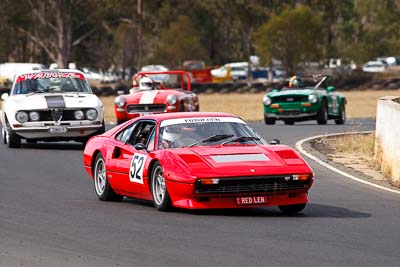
130	163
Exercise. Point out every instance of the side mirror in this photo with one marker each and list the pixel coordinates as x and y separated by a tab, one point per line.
330	88
141	146
4	96
275	142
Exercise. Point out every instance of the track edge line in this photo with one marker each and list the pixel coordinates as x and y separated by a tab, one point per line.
299	147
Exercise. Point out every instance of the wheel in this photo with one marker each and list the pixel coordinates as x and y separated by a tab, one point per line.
322	116
101	185
4	135
342	117
292	209
181	107
161	198
12	139
269	121
102	129
289	122
120	122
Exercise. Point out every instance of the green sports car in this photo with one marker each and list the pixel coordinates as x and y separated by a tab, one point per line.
304	102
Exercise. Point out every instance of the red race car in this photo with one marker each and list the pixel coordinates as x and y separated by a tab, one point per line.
196	160
151	95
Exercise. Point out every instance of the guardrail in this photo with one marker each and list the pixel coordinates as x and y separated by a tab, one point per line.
387	137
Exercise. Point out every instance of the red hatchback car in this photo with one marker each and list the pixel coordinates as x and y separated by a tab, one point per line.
196	161
152	93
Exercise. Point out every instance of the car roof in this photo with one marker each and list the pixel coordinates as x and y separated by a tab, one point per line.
49	70
238	64
182	115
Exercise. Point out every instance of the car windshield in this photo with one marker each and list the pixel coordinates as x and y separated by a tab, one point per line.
206	132
37	84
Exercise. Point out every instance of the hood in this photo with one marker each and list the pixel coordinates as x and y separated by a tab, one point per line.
41	101
240	160
151	96
292	92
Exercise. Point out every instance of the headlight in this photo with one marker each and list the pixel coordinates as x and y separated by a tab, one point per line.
22	116
120	101
171	99
91	114
79	115
266	100
34	116
312	98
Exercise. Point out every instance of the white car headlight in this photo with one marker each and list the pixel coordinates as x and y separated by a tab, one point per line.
171	99
312	98
91	114
79	115
266	100
22	116
120	101
34	116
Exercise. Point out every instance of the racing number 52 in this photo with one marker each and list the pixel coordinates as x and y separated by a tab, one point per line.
137	167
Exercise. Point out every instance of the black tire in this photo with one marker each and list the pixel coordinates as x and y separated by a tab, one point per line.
322	116
102	187
102	129
159	191
120	122
4	135
269	121
292	209
289	122
181	107
12	139
342	117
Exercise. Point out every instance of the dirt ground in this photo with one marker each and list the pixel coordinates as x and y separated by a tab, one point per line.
355	152
360	104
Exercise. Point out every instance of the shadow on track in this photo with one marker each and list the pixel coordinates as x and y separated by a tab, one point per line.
311	211
54	146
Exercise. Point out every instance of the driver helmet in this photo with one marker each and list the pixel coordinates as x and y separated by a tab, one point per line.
295	81
146	83
171	133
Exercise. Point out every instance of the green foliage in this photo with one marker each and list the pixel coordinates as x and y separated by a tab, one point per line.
179	42
292	36
102	33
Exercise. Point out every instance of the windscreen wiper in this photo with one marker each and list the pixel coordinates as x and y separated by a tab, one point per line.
38	91
241	138
213	138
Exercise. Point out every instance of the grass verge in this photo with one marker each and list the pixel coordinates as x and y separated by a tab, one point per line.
355	151
360	104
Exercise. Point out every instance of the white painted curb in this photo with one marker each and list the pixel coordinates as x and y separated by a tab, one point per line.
299	147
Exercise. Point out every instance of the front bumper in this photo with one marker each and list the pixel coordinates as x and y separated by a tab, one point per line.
71	131
295	115
183	196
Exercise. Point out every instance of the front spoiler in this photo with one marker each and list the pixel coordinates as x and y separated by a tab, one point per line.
297	116
183	196
73	132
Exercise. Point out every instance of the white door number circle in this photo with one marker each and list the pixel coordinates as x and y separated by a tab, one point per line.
137	168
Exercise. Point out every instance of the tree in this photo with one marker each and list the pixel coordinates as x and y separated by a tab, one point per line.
178	43
292	36
54	25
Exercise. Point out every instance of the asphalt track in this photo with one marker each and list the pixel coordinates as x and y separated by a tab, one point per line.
50	216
